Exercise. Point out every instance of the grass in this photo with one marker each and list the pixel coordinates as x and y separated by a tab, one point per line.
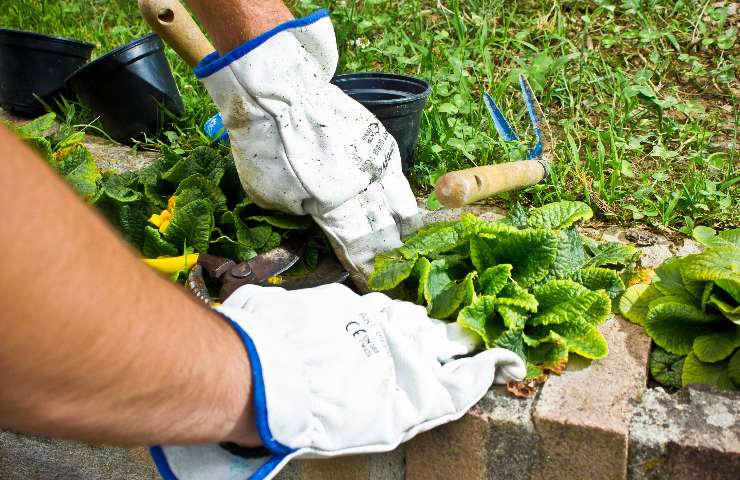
642	95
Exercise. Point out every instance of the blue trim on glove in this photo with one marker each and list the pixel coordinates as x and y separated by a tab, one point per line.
160	461
212	64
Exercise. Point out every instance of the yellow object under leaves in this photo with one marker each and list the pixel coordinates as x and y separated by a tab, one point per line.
162	221
275	280
172	265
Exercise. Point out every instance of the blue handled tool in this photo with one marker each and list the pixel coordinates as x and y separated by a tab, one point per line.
462	187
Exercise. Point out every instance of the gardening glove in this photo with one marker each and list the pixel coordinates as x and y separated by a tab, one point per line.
304	147
336	373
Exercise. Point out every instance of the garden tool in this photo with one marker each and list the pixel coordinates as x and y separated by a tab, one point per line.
462	187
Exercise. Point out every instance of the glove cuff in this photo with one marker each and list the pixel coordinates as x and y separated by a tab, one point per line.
214	62
212	461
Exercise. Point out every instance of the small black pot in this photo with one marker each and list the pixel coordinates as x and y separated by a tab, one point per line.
127	87
397	101
35	64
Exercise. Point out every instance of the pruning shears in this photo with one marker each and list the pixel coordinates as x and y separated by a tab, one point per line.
264	270
462	187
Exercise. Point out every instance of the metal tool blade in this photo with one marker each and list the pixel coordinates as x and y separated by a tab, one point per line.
502	125
275	261
329	270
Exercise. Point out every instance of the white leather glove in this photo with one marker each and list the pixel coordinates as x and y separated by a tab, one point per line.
304	147
336	373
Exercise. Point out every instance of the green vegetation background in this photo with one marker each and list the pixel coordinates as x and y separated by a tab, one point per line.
642	95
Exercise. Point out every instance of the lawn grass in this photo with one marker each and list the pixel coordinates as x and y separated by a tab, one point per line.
642	96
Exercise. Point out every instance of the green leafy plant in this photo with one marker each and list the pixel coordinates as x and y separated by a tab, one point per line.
691	310
529	282
179	203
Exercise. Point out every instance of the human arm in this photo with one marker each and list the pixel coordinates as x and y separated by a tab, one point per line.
94	345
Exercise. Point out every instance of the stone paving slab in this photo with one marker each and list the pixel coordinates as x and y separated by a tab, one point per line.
693	434
583	416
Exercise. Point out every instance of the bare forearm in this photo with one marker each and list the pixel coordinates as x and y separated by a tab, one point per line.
94	345
232	22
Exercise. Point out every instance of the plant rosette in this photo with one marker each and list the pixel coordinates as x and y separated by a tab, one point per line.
529	282
691	310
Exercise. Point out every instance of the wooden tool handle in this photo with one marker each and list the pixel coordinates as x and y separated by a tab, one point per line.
456	189
176	27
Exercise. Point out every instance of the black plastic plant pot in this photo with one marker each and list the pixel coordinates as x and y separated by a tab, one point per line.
398	102
34	66
131	88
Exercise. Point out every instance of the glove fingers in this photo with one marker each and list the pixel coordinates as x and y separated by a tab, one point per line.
401	201
468	379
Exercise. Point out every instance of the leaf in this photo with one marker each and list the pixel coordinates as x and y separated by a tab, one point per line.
77	166
203	160
191	225
119	188
610	253
668	280
531	252
718	263
731	287
559	215
709	238
600	279
666	367
453	296
515	318
547	355
390	270
494	279
285	222
478	318
731	312
433	240
37	127
571	255
481	253
227	247
697	372
517	216
716	346
512	340
133	220
516	296
154	245
675	326
197	187
733	368
591	345
422	269
635	302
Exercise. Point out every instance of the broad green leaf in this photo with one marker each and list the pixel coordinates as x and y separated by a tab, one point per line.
730	311
733	368
610	253
133	220
452	297
599	311
494	279
531	252
260	237
592	345
517	216
390	271
191	226
516	296
666	367
119	188
668	279
37	127
718	263
709	238
548	355
227	247
482	252
675	326
512	340
285	222
559	215
478	317
697	372
197	187
43	148
716	346
600	279
203	160
635	302
731	287
571	255
77	166
433	240
556	292
422	269
515	318
561	332
155	245
273	241
708	287
439	278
